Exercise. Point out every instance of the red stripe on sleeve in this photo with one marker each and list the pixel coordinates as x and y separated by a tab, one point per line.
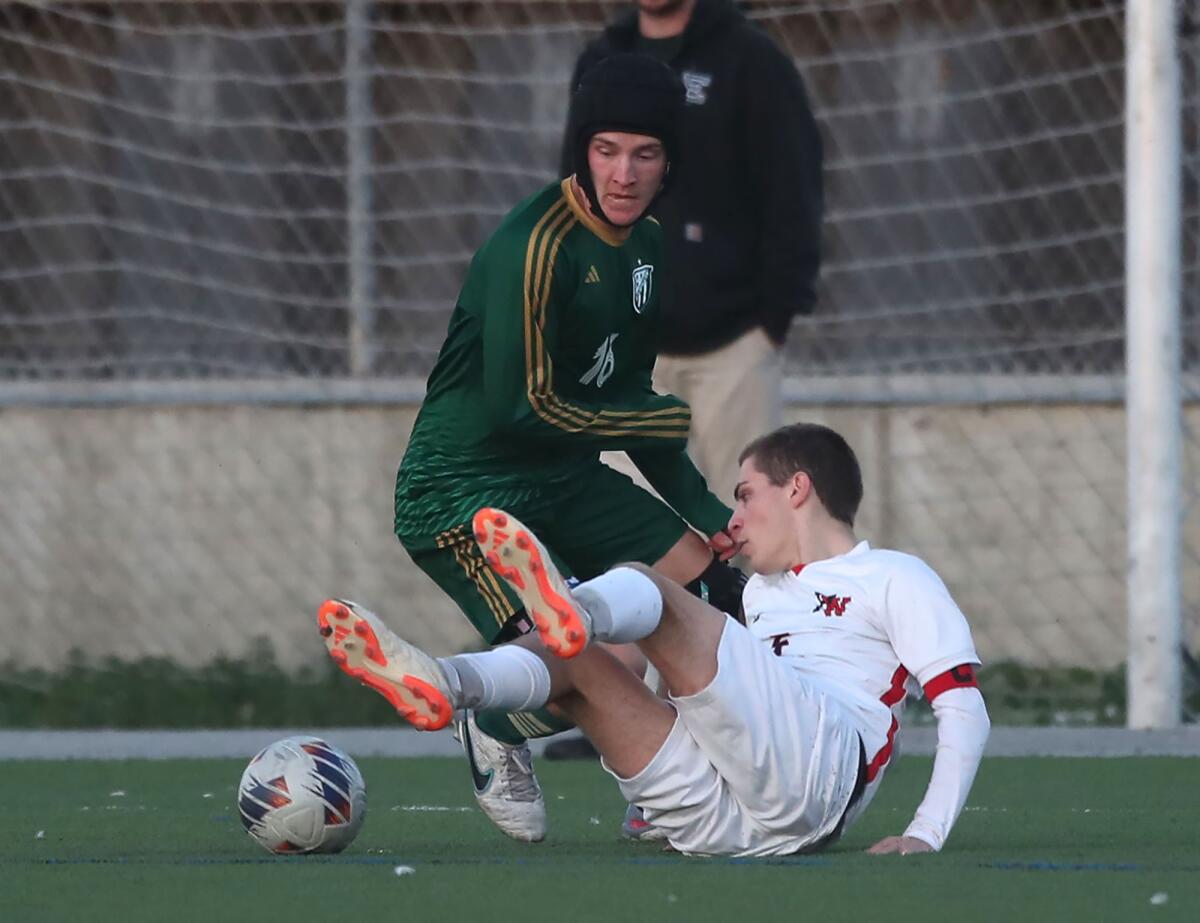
960	677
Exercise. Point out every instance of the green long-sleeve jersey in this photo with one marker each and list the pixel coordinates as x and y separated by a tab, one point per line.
547	362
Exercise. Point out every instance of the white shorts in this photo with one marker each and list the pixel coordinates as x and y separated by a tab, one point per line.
759	763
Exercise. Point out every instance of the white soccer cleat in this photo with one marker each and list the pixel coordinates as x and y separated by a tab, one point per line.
516	555
505	786
368	650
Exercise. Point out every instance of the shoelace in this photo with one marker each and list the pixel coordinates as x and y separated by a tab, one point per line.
516	766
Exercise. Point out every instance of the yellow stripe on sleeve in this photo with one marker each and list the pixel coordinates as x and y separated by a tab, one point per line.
541	253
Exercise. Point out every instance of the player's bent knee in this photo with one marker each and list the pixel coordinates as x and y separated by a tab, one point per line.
660	580
630	656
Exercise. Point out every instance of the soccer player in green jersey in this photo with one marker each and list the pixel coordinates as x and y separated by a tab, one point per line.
547	362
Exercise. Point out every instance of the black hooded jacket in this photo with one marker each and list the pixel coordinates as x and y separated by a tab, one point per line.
742	214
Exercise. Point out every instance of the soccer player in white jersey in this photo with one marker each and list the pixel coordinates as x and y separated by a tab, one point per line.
775	735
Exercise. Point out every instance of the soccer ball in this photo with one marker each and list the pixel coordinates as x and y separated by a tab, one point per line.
302	795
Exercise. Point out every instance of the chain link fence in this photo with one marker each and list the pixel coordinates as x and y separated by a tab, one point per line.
250	204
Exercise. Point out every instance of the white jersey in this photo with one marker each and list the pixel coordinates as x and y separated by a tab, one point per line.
869	626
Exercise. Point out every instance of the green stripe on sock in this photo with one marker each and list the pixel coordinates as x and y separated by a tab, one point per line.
496	724
552	724
514	730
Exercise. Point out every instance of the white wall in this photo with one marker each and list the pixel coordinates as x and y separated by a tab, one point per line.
189	532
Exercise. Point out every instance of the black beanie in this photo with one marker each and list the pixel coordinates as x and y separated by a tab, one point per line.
624	92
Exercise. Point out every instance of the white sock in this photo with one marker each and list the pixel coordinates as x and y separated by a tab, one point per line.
624	605
508	677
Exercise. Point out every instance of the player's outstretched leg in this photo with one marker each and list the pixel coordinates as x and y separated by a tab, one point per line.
412	681
517	556
505	786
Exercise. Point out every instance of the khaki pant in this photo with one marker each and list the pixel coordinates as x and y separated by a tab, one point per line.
734	393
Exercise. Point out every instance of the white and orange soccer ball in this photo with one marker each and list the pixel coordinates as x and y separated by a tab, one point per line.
302	795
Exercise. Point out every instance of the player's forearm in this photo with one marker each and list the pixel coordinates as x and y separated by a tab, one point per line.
789	259
679	482
793	204
962	730
544	417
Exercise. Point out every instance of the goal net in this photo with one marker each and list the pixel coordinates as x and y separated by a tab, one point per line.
243	204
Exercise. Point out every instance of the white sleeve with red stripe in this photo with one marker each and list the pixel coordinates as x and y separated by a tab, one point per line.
924	624
962	730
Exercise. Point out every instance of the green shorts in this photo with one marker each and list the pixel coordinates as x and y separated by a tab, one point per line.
588	526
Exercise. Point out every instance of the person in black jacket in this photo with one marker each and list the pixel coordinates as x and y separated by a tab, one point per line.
741	216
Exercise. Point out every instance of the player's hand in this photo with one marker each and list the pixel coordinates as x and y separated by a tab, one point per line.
901	845
723	545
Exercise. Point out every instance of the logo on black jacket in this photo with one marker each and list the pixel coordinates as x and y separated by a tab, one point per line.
697	85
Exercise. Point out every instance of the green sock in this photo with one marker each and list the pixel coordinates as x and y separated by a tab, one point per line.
514	729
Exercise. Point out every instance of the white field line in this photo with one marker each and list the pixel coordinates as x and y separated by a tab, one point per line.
388	741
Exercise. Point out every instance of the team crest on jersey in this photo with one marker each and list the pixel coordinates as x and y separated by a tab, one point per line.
643	279
831	605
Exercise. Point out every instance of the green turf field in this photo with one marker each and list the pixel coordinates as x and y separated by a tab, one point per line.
1042	839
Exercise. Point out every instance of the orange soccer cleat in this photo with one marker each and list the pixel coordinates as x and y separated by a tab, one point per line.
517	556
368	650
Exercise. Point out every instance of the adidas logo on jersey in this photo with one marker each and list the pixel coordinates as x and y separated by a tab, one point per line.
592	276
